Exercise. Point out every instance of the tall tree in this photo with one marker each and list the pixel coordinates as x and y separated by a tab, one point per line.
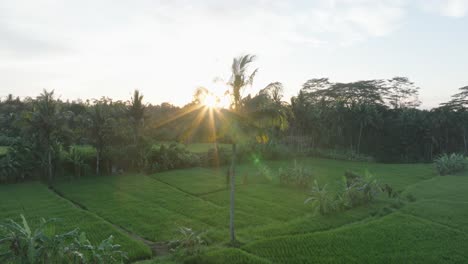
240	79
400	92
136	112
45	122
101	127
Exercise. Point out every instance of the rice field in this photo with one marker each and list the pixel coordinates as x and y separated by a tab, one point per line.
273	224
36	201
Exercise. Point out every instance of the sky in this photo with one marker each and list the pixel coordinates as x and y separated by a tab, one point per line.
168	48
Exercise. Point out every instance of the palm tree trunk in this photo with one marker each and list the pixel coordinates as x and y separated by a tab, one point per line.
97	162
49	164
464	139
233	185
359	139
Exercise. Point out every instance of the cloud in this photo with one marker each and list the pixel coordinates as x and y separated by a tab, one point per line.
450	8
168	45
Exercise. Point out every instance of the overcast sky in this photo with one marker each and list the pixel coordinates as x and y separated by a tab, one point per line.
88	49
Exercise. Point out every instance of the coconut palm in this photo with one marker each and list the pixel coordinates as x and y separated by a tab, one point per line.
240	79
136	112
45	122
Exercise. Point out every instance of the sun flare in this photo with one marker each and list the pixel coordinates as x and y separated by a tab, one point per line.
211	101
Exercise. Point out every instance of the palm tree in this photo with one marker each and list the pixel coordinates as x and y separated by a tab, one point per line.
97	125
45	122
240	79
136	112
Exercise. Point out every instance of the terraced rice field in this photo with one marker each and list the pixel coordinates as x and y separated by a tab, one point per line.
273	223
36	201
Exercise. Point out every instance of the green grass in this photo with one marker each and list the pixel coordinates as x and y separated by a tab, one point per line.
206	180
36	201
227	255
397	238
441	188
273	223
151	208
204	147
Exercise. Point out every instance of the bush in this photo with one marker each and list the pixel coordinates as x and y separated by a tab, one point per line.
78	160
271	151
19	163
189	243
325	202
356	190
296	176
359	189
216	157
42	245
449	164
162	158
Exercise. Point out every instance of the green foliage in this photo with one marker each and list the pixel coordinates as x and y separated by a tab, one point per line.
18	164
216	157
325	201
79	159
188	243
8	169
450	163
164	158
356	190
359	189
296	176
272	151
3	150
43	245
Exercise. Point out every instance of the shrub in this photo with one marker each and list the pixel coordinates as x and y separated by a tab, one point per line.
296	176
18	164
216	157
161	158
449	164
325	202
359	189
42	245
189	243
271	151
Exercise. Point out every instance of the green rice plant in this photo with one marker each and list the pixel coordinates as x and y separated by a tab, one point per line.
226	255
449	164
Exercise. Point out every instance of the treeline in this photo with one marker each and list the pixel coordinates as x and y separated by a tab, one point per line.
377	118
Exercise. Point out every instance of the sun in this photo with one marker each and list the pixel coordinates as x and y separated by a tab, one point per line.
211	101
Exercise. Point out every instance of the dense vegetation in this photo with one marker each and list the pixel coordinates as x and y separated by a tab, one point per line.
355	120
